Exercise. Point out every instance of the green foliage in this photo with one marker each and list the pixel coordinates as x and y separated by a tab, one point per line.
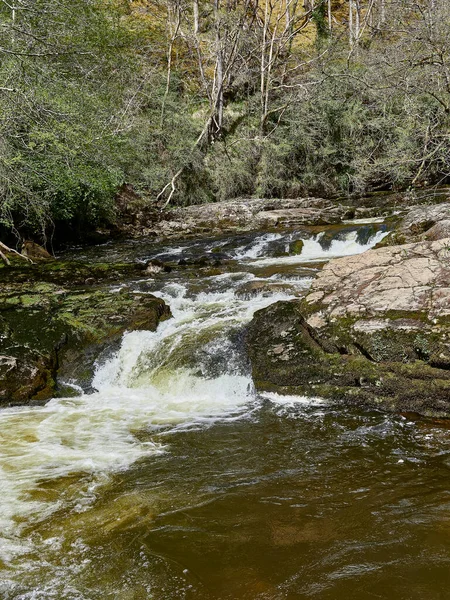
86	104
61	112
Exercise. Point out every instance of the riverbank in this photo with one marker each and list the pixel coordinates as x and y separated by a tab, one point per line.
137	219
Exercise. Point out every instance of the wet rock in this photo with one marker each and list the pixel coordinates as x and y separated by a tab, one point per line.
69	273
291	217
205	260
153	267
296	247
51	334
264	288
374	329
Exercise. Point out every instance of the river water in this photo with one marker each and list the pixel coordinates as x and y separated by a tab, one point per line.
175	480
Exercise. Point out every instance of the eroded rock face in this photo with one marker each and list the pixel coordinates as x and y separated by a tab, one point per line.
374	329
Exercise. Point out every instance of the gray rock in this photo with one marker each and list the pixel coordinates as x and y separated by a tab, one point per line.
421	223
374	329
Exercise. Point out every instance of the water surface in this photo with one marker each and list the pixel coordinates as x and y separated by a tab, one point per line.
176	480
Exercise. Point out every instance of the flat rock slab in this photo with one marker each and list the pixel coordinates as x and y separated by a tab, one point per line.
409	278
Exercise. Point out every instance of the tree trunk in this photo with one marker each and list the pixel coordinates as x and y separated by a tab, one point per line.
196	24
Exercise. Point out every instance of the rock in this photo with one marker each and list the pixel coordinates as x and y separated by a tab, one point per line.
154	267
205	260
264	288
296	247
291	217
421	223
439	231
232	216
35	252
374	330
139	216
49	334
69	273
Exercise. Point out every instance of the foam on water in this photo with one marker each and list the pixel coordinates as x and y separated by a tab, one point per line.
313	251
258	247
94	435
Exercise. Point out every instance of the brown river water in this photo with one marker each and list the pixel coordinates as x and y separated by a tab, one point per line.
175	480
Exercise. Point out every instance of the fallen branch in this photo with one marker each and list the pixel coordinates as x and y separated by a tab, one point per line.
9	250
171	183
181	170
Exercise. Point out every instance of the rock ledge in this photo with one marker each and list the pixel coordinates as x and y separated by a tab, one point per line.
374	329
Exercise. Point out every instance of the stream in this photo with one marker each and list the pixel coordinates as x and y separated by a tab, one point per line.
176	480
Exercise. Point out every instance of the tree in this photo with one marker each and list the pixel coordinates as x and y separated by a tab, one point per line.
63	110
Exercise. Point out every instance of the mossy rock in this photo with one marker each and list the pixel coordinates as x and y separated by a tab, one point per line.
50	334
69	273
296	247
402	367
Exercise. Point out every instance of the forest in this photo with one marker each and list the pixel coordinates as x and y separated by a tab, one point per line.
193	101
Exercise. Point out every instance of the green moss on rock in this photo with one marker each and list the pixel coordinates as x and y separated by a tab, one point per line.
402	366
50	333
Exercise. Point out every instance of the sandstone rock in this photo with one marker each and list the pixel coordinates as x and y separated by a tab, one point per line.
374	329
412	277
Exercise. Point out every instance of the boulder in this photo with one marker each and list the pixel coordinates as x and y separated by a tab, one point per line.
35	252
374	329
296	247
51	334
153	267
439	231
424	222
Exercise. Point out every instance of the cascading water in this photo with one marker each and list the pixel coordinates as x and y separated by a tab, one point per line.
77	474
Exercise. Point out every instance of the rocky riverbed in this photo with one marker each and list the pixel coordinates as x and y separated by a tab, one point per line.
372	330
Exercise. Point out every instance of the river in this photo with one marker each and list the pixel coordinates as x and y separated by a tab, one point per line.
175	480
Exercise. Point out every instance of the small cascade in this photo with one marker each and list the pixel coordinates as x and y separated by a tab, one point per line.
191	372
319	248
189	369
258	247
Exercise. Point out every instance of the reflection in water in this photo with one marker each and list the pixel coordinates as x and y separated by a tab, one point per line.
174	480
